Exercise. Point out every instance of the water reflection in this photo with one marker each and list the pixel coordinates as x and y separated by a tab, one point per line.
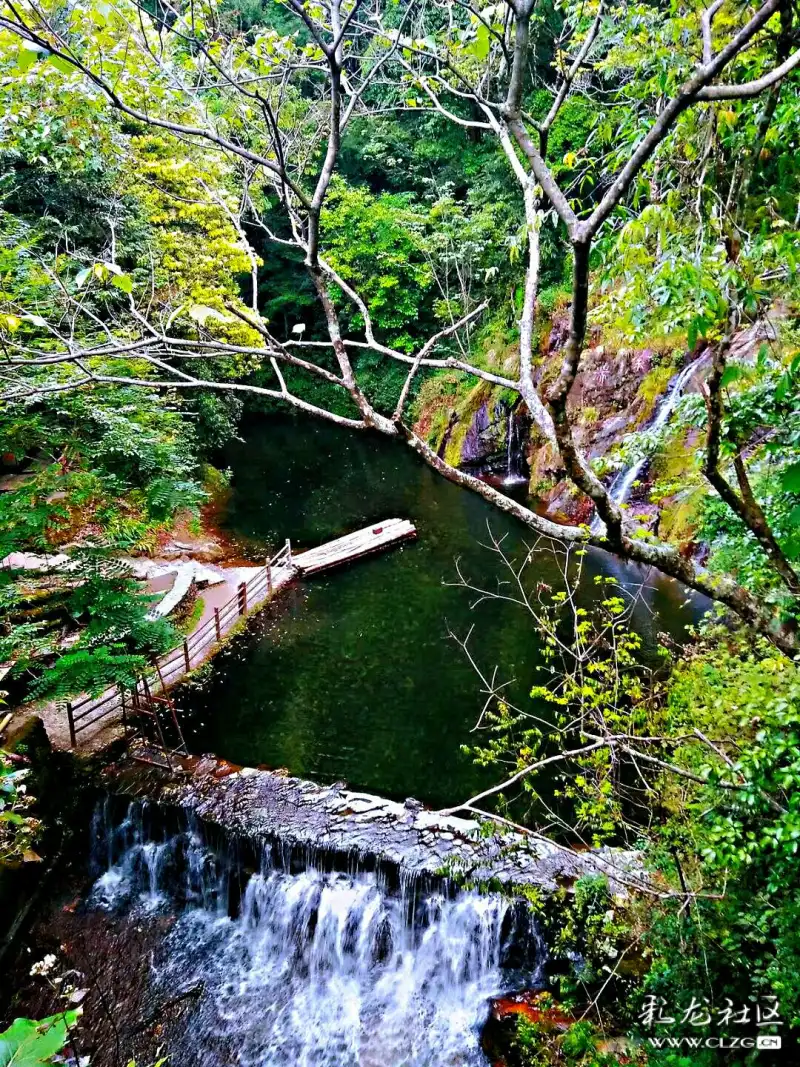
355	678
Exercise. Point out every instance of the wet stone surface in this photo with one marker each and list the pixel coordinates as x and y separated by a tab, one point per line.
261	804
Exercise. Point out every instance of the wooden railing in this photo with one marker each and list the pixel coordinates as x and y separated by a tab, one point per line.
152	728
174	665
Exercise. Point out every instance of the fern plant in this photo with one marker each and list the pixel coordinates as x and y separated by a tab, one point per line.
87	629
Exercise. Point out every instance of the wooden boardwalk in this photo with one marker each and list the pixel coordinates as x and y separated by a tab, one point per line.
354	546
247	590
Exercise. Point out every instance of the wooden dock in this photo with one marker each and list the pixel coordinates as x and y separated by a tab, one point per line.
247	591
354	546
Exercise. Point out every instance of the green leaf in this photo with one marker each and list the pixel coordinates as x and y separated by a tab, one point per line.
790	478
27	56
691	334
697	328
123	282
784	386
12	818
481	47
27	1043
61	64
729	375
82	276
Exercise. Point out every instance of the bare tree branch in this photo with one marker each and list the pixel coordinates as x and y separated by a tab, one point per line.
753	88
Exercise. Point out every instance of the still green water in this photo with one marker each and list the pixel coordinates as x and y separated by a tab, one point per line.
352	676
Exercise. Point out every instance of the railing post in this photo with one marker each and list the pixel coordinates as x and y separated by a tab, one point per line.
288	551
157	666
269	578
72	738
243	598
186	659
217	625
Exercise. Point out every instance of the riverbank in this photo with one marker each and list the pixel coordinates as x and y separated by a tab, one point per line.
91	723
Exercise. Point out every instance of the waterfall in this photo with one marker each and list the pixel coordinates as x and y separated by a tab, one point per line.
510	446
316	968
622	484
512	477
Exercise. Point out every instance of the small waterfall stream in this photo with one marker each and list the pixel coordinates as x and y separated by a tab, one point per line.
316	968
622	484
513	476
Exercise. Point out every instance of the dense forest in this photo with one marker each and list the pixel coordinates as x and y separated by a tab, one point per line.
560	233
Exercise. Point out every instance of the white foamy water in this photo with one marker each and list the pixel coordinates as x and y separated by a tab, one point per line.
620	488
317	968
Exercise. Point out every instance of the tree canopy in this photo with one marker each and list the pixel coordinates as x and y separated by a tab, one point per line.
418	170
383	212
320	206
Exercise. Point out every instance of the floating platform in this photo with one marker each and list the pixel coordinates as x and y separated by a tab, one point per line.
354	546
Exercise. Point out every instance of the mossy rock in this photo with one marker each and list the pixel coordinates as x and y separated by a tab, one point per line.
652	388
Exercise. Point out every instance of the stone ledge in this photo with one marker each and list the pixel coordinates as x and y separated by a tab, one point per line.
255	804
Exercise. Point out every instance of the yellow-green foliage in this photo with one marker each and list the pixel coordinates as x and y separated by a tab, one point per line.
498	351
681	493
554	298
675	462
678	521
199	254
436	399
452	452
215	481
441	395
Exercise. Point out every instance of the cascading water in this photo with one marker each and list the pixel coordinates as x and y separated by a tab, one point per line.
513	476
317	968
622	484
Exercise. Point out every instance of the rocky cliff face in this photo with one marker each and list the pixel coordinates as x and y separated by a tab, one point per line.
615	393
619	390
494	443
490	432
